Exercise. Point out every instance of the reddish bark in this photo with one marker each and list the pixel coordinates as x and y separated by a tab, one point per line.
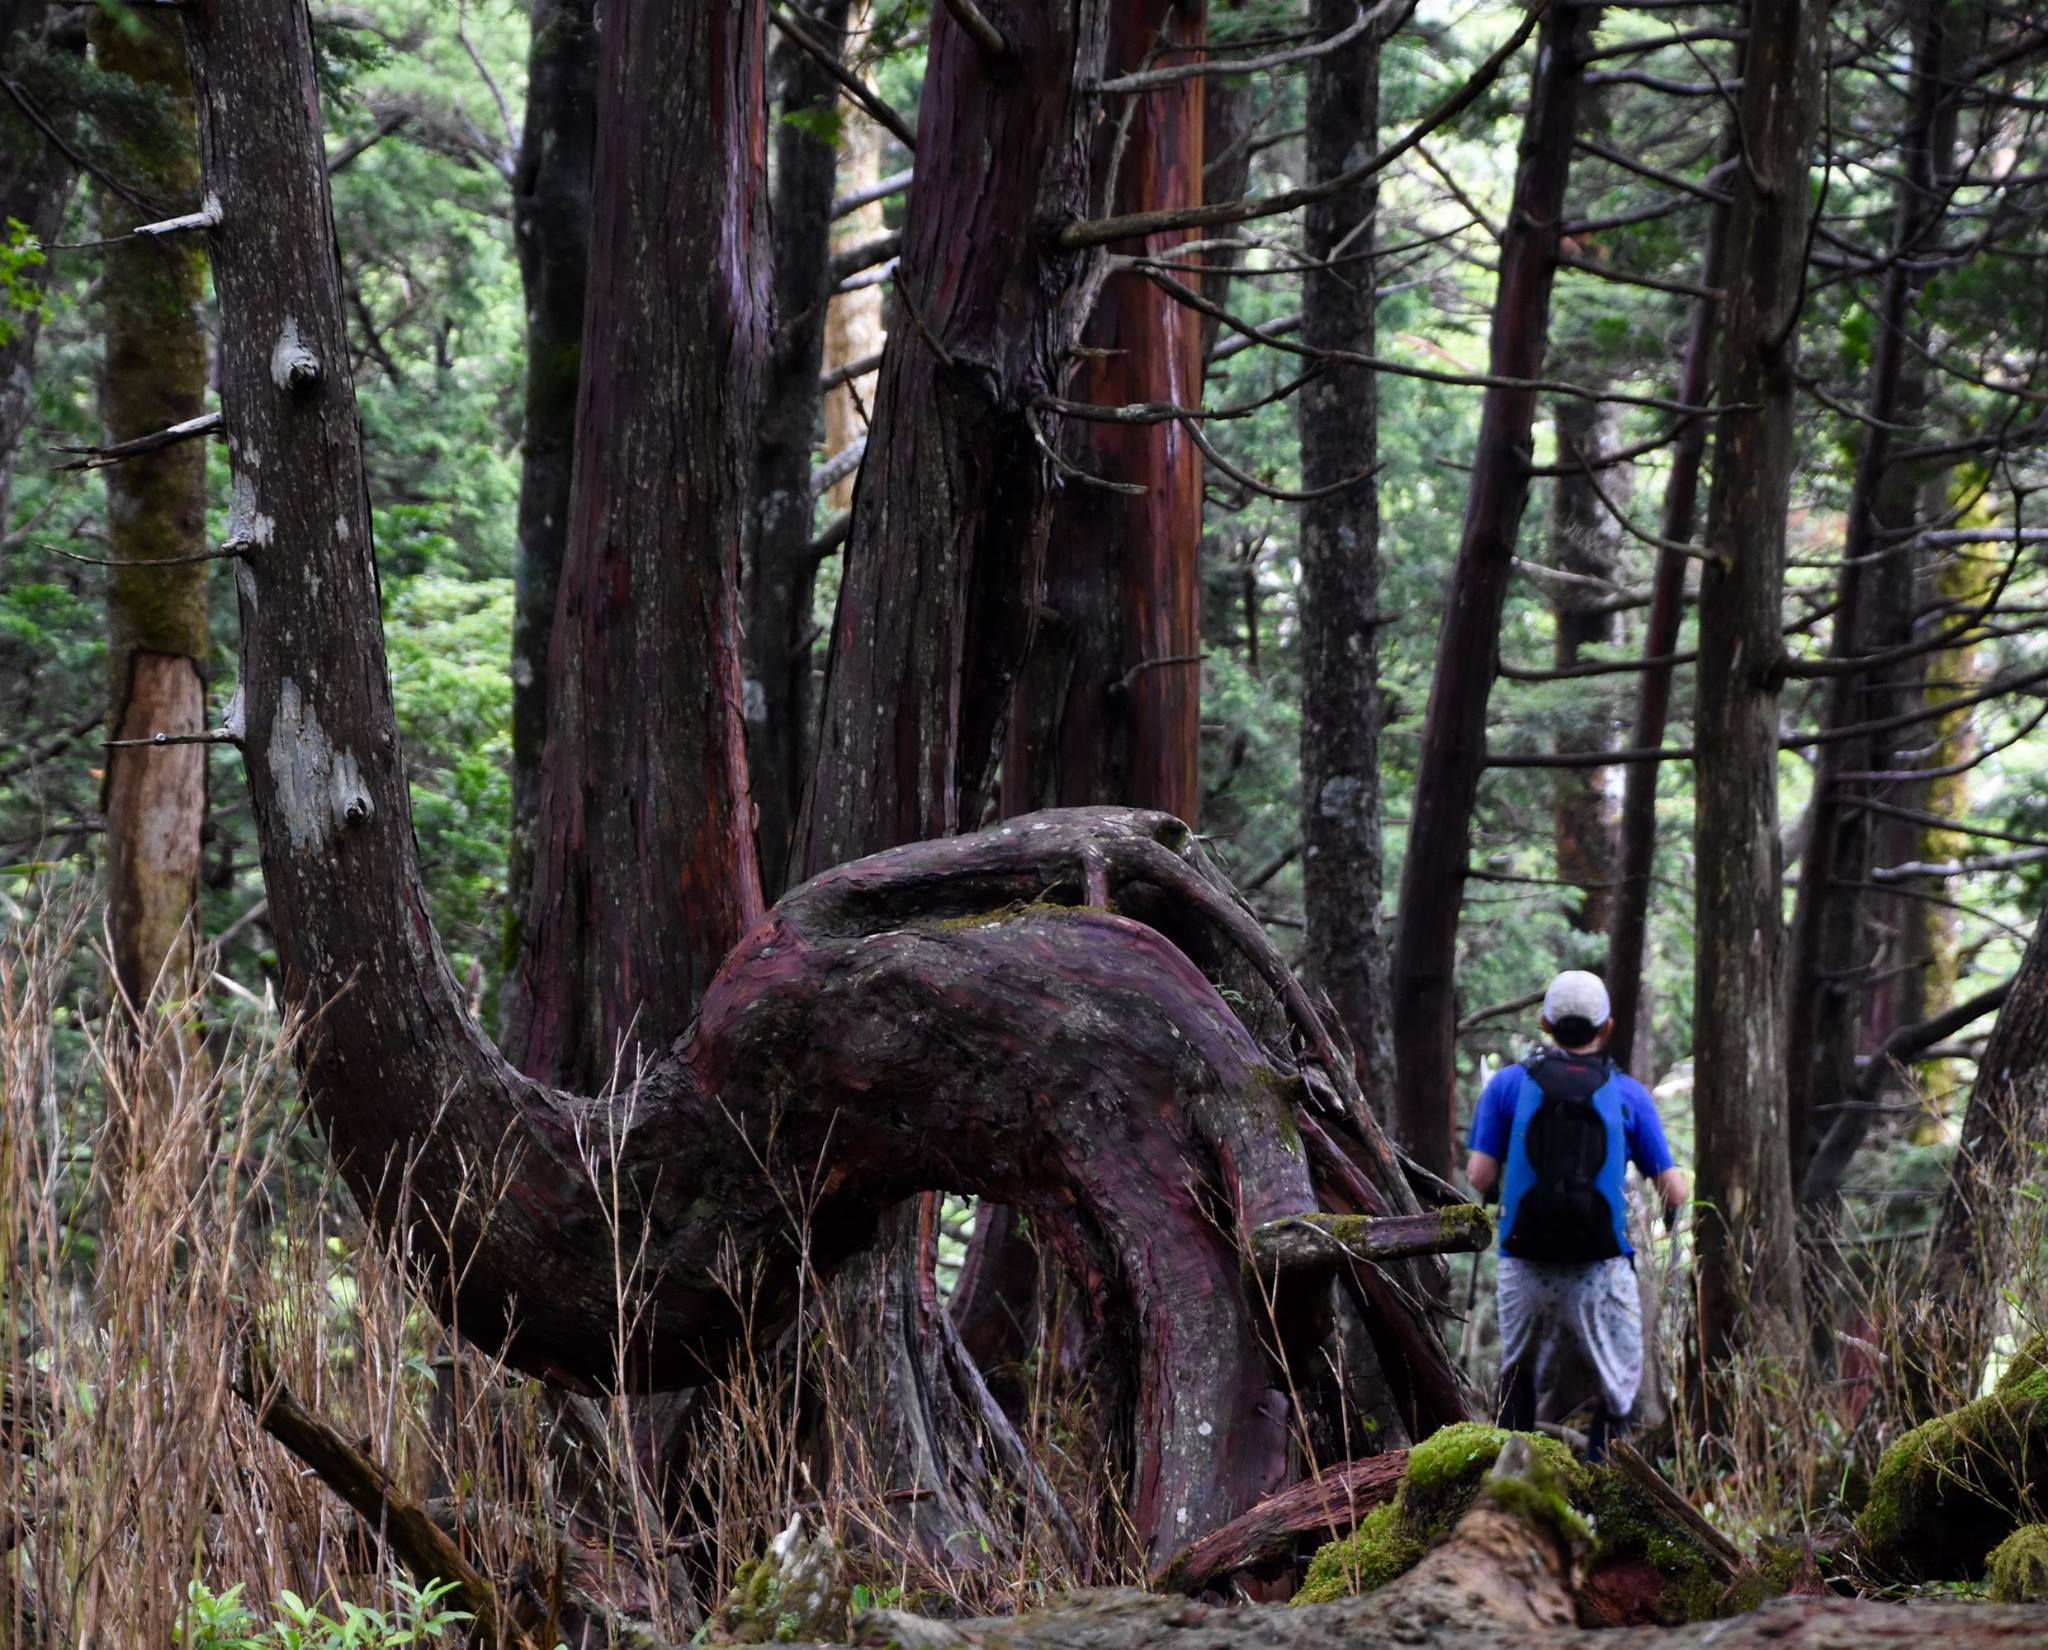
1022	1015
1453	754
1280	1532
1108	708
644	871
946	547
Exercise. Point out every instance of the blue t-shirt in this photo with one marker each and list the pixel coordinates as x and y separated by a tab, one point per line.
1642	1130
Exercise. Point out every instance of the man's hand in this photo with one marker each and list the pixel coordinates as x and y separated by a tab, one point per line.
1672	1184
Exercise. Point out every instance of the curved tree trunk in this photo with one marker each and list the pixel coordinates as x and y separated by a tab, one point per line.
1453	755
1345	950
154	376
1749	1284
551	202
644	871
1019	1015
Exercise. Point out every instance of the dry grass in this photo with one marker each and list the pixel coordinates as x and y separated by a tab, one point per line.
163	1201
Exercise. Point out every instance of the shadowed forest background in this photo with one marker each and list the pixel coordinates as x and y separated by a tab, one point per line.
759	759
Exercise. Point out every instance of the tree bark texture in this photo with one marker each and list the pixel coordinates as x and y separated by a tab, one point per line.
946	548
154	375
1585	539
1626	943
1749	1284
644	870
1843	947
780	565
36	179
1109	706
1988	1221
854	327
1453	754
551	212
1344	944
1022	1015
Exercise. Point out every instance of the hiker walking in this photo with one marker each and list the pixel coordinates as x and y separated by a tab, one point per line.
1553	1136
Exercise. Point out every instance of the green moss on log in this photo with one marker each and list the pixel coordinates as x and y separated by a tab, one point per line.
1951	1489
2017	1571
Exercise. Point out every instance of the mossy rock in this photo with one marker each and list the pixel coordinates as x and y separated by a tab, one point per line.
2017	1570
1950	1490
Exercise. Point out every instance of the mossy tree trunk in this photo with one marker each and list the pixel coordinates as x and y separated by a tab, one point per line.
154	376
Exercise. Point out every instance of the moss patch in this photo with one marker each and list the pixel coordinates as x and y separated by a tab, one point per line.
1445	1474
2018	1567
1949	1490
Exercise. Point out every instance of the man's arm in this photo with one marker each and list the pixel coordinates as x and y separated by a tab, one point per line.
1483	1172
1672	1184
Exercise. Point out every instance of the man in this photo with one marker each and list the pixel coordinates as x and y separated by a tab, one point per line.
1553	1137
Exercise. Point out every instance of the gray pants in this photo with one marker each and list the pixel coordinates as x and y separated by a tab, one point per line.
1576	1330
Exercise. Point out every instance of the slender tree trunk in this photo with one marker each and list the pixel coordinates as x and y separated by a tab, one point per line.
780	566
1749	1284
1345	951
551	231
1625	951
1453	755
854	327
1227	115
1585	539
644	875
1838	946
36	179
1109	707
154	376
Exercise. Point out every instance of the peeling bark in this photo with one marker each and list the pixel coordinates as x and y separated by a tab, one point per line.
1749	1273
154	376
1453	753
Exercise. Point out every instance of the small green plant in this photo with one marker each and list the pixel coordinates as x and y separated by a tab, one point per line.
221	1621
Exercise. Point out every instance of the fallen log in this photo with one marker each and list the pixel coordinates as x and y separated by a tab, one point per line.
1273	1534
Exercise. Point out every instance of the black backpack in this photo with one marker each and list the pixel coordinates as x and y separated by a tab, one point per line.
1566	1210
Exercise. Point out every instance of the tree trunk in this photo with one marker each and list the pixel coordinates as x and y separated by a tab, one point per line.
1839	948
854	327
1749	1286
780	565
36	179
1109	706
1453	755
942	566
1227	125
1003	1014
551	231
644	871
154	376
1989	1223
1625	959
1585	539
1345	951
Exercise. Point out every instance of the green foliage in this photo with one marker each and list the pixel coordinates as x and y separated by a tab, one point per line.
221	1621
21	294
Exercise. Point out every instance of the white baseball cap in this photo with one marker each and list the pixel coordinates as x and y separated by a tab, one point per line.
1575	994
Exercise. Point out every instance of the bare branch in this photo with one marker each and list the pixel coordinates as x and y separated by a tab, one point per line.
95	458
1146	80
852	84
978	28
